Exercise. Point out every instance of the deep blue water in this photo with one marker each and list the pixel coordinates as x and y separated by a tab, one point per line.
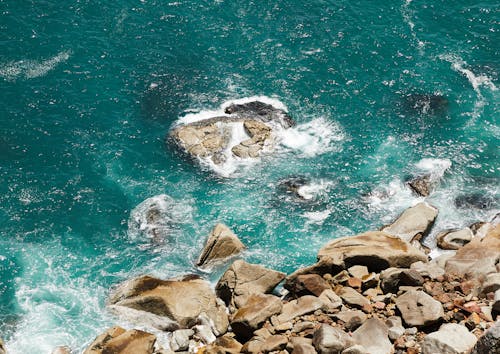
91	88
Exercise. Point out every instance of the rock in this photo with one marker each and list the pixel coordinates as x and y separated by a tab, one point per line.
375	250
242	279
373	336
253	313
328	339
395	327
222	243
180	301
491	283
413	223
454	239
410	277
324	266
203	333
431	269
331	300
292	186
302	346
489	342
2	347
358	271
389	280
352	297
224	345
274	343
422	185
119	341
263	111
419	309
307	284
180	339
496	304
355	349
352	318
60	350
301	306
450	339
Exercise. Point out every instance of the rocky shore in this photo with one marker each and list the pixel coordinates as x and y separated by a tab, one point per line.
376	292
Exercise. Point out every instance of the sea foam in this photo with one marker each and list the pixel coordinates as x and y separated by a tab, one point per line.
30	69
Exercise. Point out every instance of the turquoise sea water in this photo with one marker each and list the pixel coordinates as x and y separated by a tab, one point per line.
89	89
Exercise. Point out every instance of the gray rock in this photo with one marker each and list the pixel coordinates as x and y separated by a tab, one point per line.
352	318
302	346
489	341
491	283
413	223
221	244
450	339
331	300
180	339
358	271
430	269
373	335
356	349
203	333
454	239
328	339
419	309
395	327
352	297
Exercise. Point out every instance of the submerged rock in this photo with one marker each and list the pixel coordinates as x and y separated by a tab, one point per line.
450	339
454	239
425	103
221	244
180	302
292	186
476	201
117	340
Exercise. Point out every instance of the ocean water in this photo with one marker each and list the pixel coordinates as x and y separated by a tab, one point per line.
90	89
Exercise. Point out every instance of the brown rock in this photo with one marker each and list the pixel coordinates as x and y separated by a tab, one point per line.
302	306
307	284
352	297
221	244
373	336
118	341
274	343
454	239
352	319
324	266
224	345
328	339
302	346
419	309
354	282
2	347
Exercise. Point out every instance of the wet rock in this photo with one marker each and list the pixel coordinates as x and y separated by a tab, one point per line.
352	319
454	239
221	244
477	200
307	284
60	350
302	306
119	341
450	339
264	111
419	309
373	336
328	339
427	104
489	342
242	279
413	223
375	250
253	313
422	185
352	297
180	301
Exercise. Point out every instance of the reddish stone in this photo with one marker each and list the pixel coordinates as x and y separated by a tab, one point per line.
472	306
467	286
367	308
443	298
379	305
354	282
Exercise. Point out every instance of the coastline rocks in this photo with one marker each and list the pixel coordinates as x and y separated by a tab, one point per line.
119	341
242	279
454	239
375	250
2	347
328	339
422	185
221	244
414	223
263	111
419	309
373	336
181	302
301	306
451	338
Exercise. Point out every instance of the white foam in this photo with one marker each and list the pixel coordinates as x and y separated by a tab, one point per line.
317	217
436	167
315	189
29	69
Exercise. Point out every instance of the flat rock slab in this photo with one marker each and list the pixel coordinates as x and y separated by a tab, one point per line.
450	339
302	306
419	309
373	336
119	341
221	244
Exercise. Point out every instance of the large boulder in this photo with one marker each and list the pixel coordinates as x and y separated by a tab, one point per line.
298	307
413	223
181	302
477	259
419	309
454	239
451	338
373	336
117	340
375	249
243	279
328	339
489	342
422	185
222	243
257	309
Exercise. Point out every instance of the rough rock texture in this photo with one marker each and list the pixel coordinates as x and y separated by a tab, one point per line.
489	342
263	111
373	336
222	243
310	284
454	239
224	345
450	339
303	305
257	309
352	319
180	339
413	223
242	279
419	309
422	185
352	297
182	301
328	339
376	250
116	340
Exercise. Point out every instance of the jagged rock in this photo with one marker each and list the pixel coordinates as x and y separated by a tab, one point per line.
395	327
224	345
203	333
307	284
301	306
419	309
422	185
222	243
376	250
454	239
60	350
324	265
119	341
331	300
413	223
489	342
242	279
181	302
352	297
263	111
274	343
180	339
253	313
450	339
328	339
302	345
358	271
373	336
389	280
352	318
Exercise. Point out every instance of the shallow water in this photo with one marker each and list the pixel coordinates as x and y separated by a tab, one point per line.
90	89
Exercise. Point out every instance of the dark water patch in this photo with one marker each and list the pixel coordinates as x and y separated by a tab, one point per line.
477	200
425	104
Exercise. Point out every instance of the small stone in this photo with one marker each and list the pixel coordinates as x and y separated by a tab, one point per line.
180	339
331	300
358	271
410	277
354	282
302	326
355	349
379	305
370	280
352	297
419	309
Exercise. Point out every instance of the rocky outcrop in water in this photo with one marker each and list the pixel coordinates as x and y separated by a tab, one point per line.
454	239
2	347
221	244
119	340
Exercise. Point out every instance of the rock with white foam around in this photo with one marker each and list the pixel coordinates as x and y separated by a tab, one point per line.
454	239
221	244
451	338
2	347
